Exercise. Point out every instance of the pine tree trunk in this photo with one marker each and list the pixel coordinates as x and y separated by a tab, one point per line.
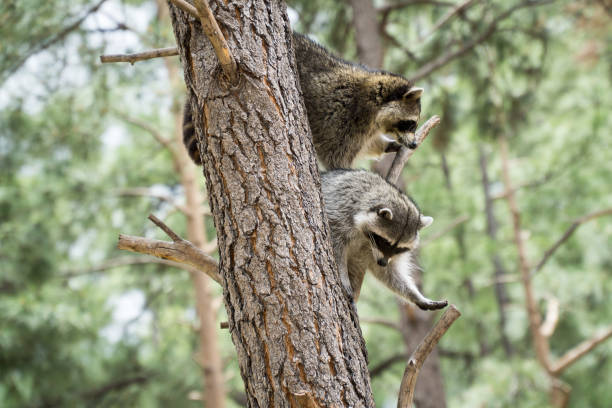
296	337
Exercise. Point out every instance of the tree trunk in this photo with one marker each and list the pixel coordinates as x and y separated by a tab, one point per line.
297	338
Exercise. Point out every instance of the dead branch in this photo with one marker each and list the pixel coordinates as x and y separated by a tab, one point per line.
404	153
425	347
180	250
580	350
454	223
568	233
140	56
214	34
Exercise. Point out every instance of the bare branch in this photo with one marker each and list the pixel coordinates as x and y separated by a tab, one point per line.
568	233
180	250
552	317
419	355
454	223
444	59
404	153
140	56
214	34
147	192
224	325
448	16
580	350
173	235
186	7
559	393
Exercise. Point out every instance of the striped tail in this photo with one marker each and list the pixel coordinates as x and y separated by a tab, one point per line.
189	137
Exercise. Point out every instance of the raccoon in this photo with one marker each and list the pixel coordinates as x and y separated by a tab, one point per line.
353	111
374	227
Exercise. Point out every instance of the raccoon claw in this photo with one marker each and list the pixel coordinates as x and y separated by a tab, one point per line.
433	305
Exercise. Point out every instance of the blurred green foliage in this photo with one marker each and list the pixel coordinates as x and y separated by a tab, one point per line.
73	334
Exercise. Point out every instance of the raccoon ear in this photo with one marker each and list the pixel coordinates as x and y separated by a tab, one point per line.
426	221
385	213
413	93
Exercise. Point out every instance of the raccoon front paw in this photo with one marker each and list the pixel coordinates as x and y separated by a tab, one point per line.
432	304
392	146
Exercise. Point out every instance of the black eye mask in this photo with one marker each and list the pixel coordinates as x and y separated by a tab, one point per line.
388	249
406	125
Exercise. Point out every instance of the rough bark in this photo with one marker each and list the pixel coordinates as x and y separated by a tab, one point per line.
297	340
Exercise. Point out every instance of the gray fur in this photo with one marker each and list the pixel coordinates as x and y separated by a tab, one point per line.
358	204
353	111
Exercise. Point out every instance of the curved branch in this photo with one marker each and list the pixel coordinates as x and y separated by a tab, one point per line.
404	153
580	350
419	355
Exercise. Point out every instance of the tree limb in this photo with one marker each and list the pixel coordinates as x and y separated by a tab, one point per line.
186	7
404	153
580	350
568	233
214	34
140	56
180	250
419	355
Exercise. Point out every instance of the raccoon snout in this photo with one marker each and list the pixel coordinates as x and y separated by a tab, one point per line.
382	262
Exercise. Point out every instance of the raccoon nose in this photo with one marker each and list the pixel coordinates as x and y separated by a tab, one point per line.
382	262
412	145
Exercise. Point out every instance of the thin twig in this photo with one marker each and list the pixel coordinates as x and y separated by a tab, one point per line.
454	223
140	56
566	235
400	5
404	153
214	34
419	355
173	235
580	350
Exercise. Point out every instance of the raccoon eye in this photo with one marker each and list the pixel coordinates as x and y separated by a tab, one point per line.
406	125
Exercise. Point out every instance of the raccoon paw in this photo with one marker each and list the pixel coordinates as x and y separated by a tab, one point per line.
392	146
432	304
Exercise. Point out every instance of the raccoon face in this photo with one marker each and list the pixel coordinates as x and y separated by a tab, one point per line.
398	118
389	236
